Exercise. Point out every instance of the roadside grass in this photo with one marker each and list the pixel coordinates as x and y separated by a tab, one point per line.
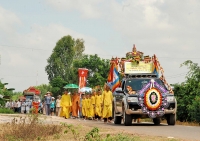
27	129
177	122
6	111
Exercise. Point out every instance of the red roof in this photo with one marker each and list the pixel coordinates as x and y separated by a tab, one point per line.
32	90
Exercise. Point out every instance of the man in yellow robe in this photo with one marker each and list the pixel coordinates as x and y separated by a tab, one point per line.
107	99
65	104
92	108
87	106
83	108
98	108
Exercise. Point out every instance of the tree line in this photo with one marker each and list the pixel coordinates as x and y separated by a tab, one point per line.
68	55
188	94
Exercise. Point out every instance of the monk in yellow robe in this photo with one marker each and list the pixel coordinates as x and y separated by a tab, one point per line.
86	106
107	99
98	108
75	104
92	108
89	107
65	104
83	108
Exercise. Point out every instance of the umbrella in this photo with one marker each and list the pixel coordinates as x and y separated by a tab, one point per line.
71	86
86	89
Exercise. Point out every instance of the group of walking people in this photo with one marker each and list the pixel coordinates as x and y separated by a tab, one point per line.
96	105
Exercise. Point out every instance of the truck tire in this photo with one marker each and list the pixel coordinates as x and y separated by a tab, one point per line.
156	121
127	119
171	119
117	120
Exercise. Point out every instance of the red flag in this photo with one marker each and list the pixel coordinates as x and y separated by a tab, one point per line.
82	77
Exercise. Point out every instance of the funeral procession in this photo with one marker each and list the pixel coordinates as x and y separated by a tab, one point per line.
96	70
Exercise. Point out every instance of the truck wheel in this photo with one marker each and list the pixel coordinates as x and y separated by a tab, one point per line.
171	119
156	121
127	119
117	120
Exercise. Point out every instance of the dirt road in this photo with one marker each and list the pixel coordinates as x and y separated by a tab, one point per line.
191	133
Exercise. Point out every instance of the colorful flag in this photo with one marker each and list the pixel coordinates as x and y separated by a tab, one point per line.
113	78
82	77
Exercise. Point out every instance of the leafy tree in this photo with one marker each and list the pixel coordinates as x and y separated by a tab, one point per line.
44	88
16	95
79	49
60	63
57	86
97	69
187	94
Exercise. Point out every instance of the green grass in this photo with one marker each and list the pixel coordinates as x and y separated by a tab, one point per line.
6	111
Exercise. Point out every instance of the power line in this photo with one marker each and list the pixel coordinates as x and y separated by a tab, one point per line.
177	74
25	47
23	76
95	53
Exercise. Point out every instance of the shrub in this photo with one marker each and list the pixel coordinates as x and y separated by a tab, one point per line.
6	111
28	129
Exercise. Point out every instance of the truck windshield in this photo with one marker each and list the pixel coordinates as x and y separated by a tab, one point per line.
138	84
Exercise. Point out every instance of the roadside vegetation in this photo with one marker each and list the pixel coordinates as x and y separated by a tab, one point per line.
188	95
6	111
32	128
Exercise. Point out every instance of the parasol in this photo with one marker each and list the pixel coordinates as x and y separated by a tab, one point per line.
71	86
86	89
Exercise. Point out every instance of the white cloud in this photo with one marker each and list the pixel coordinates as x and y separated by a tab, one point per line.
168	29
8	20
33	49
87	9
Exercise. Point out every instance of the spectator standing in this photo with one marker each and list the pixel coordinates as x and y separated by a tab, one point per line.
15	106
7	105
44	105
48	102
52	106
23	107
28	105
58	105
12	105
18	106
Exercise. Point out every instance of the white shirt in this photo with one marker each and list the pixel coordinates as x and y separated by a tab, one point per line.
7	104
18	104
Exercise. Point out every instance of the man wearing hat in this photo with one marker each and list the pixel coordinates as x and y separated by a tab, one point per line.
107	99
65	104
48	102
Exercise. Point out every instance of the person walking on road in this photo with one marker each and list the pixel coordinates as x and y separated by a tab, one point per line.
75	104
48	102
66	104
52	106
58	105
107	98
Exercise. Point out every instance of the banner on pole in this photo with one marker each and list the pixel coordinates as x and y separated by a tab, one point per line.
82	77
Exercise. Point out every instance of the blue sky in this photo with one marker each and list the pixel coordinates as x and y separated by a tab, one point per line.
30	29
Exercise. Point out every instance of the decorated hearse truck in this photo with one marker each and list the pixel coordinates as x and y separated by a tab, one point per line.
144	92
